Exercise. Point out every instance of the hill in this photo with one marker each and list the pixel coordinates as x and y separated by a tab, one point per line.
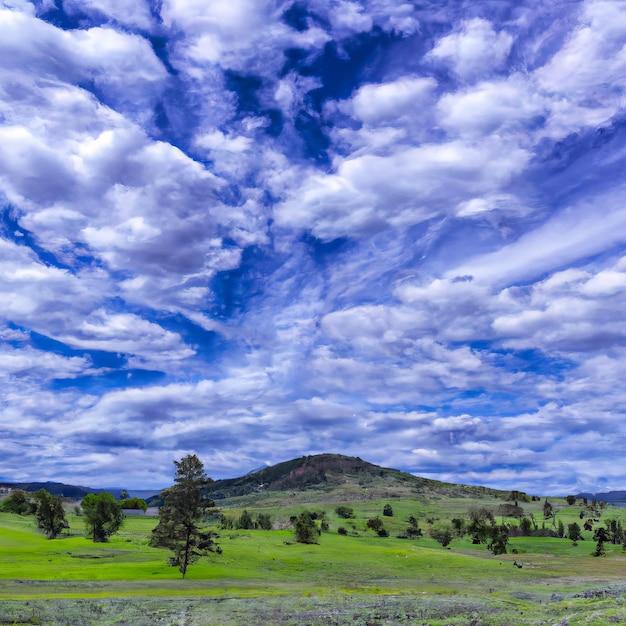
57	489
330	478
610	497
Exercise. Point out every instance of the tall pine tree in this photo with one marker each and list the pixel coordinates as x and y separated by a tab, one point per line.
180	518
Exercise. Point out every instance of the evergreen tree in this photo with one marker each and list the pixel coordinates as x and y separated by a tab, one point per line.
601	536
50	514
245	521
305	529
184	506
103	515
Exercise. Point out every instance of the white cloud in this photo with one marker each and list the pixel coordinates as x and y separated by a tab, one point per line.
474	50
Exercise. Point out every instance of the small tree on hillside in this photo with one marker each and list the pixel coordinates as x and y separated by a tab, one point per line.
245	521
573	532
264	521
498	538
442	534
547	509
374	523
571	500
103	516
184	506
601	536
50	514
346	512
561	529
387	510
305	529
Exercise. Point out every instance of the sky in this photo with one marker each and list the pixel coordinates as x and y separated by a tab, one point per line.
258	229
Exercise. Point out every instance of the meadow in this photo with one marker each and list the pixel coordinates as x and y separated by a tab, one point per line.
265	577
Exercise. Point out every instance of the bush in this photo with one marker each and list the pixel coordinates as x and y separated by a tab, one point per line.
571	500
18	502
374	523
345	512
245	521
383	532
264	521
342	531
387	510
134	503
442	534
305	529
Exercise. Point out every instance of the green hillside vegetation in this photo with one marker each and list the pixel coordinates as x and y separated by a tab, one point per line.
357	577
332	478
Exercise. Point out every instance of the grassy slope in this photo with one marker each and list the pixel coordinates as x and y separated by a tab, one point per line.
266	565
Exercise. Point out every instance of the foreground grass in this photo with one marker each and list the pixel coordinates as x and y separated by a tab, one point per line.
353	578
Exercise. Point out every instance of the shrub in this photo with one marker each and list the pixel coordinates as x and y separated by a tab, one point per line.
264	521
382	532
442	534
345	512
18	502
387	510
342	531
245	521
374	523
571	500
134	503
305	529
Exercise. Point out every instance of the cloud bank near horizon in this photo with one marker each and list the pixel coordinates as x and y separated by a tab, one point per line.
261	229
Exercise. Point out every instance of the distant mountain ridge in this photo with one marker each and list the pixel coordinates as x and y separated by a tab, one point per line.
74	491
57	489
609	497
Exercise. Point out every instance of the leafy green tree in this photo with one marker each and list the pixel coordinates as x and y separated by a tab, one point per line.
103	516
387	510
18	502
245	521
561	529
184	506
442	534
346	512
571	500
50	514
305	529
134	504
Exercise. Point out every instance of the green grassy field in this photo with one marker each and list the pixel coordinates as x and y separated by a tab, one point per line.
355	579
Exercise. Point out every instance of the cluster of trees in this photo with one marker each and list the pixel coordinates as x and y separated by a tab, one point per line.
262	521
102	513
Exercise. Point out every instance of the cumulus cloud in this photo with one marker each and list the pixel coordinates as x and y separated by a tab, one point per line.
318	225
474	50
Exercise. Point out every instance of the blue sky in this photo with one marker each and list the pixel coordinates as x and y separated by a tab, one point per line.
256	229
